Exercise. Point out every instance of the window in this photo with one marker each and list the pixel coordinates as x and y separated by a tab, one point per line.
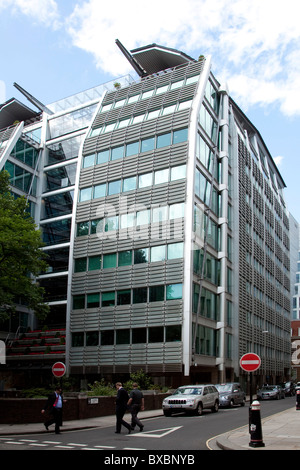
82	229
176	210
99	190
85	194
180	136
93	300
108	299
143	217
127	220
145	180
138	119
175	250
153	114
80	265
94	263
156	334
92	338
163	140
89	160
77	340
132	149
139	295
117	152
109	261
109	127
173	333
159	214
124	297
147	94
161	176
103	156
114	187
148	144
141	256
168	109
96	226
78	302
133	99
125	258
129	184
107	337
158	253
139	335
123	336
178	172
156	293
176	85
174	291
111	223
162	89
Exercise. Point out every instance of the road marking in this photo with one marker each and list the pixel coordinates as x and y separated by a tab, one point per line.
77	445
157	433
105	447
12	442
35	444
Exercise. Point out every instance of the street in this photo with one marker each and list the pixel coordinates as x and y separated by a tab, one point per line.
176	433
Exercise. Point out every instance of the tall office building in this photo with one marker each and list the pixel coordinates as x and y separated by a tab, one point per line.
163	214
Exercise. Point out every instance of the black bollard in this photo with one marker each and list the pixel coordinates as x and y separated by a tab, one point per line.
255	430
298	399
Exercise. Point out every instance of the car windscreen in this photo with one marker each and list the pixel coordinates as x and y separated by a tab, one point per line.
224	388
188	391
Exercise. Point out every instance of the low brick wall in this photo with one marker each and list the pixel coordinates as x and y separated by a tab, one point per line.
28	410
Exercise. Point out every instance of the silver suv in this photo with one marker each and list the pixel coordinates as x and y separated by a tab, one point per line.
231	394
192	398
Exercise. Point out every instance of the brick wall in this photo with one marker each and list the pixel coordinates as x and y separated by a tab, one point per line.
28	410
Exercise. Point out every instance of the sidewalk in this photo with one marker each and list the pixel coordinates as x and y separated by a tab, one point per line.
279	432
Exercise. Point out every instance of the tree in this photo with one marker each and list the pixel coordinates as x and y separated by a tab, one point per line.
21	257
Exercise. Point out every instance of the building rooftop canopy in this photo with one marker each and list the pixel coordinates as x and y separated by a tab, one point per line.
13	110
151	59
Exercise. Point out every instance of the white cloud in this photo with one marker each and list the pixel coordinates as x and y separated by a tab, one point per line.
278	160
254	42
41	11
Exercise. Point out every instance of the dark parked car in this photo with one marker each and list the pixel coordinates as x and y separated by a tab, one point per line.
270	392
231	394
289	389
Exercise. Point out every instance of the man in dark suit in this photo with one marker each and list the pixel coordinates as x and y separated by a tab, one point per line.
121	406
54	405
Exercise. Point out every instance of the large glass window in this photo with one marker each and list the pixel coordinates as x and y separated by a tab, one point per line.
107	337
109	260
163	140
108	299
174	292
156	293
156	334
158	253
139	295
124	297
93	300
94	263
99	190
103	156
125	258
92	338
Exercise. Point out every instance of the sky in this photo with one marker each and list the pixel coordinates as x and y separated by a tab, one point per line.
55	48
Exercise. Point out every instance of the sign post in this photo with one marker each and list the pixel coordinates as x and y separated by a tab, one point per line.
59	370
251	362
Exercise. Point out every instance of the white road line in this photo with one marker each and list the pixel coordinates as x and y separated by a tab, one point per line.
77	445
13	442
105	447
35	444
64	447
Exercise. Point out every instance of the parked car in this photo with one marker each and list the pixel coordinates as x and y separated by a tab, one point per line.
231	394
289	389
269	392
192	398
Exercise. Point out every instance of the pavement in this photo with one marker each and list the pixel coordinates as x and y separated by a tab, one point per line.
280	431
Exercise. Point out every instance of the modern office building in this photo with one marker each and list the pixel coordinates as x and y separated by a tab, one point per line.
164	220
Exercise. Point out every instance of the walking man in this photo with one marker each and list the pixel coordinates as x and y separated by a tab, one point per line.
55	406
136	403
121	406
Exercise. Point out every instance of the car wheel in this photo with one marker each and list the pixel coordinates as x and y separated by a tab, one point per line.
215	408
199	409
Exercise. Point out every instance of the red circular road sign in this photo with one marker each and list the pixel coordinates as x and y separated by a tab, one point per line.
58	369
250	362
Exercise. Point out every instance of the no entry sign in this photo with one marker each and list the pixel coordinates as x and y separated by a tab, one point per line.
250	362
58	369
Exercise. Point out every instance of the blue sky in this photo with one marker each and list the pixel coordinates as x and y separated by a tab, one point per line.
55	48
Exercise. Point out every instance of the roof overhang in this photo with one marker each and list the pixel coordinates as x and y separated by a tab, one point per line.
13	110
154	58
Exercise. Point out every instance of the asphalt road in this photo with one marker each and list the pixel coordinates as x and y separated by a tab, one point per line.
179	433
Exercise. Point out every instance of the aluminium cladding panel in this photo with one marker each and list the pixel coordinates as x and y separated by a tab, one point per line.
135	276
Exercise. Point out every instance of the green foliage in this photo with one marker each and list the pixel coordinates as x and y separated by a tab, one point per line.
35	393
141	378
102	389
21	257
